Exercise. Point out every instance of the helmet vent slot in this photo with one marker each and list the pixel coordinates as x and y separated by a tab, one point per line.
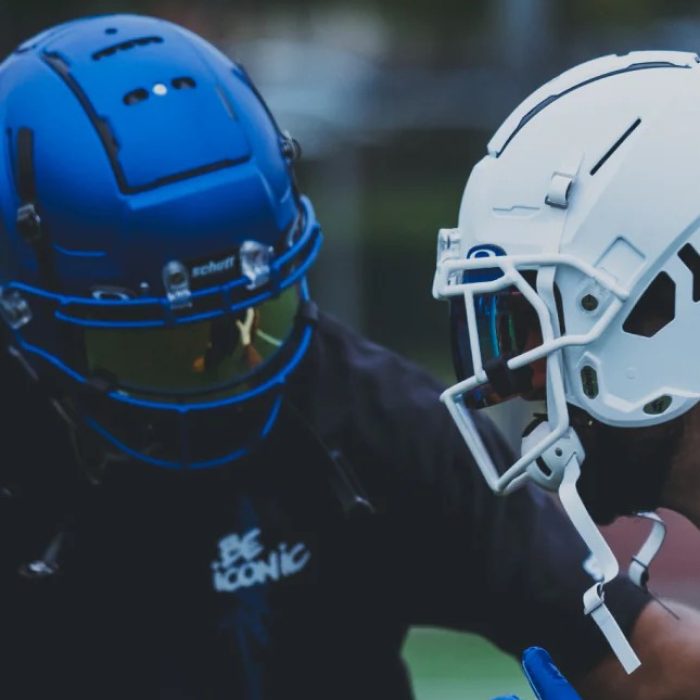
135	96
126	46
615	146
690	258
655	309
589	381
532	113
183	83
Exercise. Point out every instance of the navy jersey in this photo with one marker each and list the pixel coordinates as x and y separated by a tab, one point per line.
296	572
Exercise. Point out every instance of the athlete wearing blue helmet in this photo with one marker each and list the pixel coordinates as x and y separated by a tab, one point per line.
249	500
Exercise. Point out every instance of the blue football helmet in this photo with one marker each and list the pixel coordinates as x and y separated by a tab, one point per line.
153	244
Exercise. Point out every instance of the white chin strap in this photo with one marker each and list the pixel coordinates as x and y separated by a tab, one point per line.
594	598
563	462
639	566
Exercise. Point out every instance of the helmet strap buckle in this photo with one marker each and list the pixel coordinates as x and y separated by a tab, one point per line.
176	280
14	309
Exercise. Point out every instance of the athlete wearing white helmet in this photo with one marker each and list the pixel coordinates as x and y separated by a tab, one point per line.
573	277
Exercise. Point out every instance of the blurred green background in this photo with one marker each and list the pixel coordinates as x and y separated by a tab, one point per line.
393	102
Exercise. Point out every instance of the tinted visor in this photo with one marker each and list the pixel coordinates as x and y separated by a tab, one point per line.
507	326
193	358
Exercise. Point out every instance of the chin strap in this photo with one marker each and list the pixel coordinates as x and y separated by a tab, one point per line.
558	469
594	598
639	566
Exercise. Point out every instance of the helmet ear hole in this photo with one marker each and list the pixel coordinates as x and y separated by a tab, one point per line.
655	309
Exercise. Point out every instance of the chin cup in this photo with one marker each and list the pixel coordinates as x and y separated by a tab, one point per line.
547	470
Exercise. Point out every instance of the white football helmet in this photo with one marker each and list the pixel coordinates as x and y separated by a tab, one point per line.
574	274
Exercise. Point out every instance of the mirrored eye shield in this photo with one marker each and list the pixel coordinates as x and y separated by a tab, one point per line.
272	378
504	271
207	303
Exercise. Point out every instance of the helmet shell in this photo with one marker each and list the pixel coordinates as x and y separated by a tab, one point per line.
623	130
150	163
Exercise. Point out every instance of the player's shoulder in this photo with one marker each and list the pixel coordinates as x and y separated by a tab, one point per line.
378	405
371	375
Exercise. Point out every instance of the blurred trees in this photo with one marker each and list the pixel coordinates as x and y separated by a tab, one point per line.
445	21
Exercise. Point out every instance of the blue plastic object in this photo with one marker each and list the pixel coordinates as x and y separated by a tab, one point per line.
544	677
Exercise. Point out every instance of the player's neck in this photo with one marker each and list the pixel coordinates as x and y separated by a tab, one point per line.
687	503
682	490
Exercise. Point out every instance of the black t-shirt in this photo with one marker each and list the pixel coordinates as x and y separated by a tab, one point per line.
270	579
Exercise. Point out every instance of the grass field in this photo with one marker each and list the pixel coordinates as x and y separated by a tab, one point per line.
452	666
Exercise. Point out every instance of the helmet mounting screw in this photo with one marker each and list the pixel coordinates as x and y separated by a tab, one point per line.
589	302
